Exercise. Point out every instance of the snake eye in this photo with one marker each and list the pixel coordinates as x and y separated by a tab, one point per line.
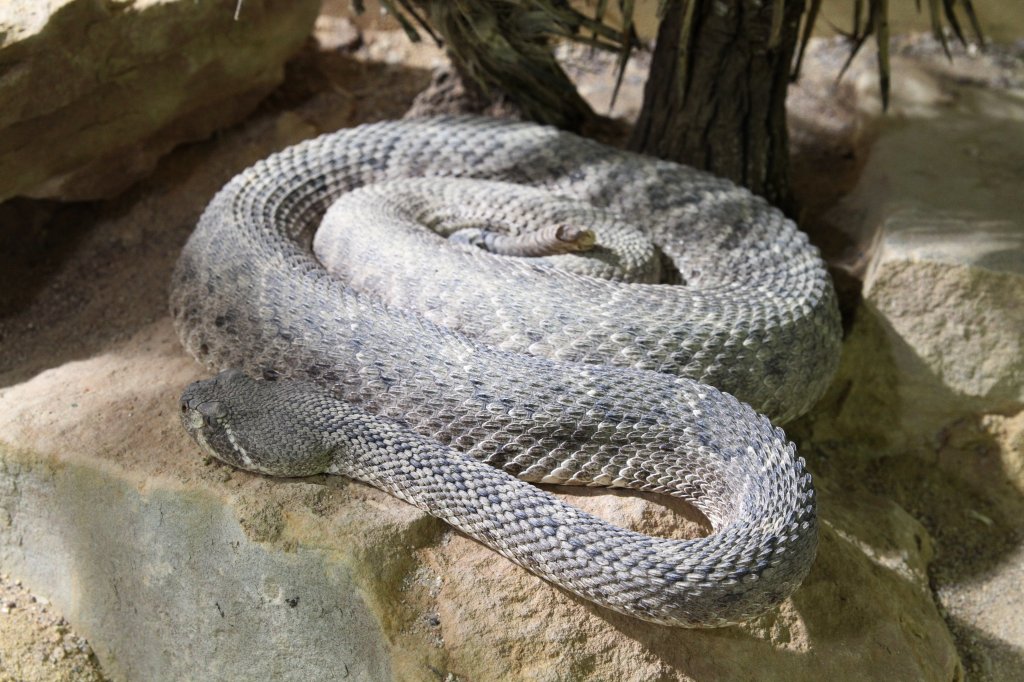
211	411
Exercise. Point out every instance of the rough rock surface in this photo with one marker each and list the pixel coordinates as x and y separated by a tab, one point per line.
926	408
93	93
939	199
178	567
947	274
141	542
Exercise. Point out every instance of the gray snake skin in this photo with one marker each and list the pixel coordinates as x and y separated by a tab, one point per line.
450	392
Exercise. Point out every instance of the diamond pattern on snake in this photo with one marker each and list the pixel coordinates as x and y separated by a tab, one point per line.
490	304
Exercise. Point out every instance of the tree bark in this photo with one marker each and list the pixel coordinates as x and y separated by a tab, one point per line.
715	98
492	45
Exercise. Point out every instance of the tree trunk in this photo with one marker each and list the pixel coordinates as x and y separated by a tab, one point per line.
496	46
715	98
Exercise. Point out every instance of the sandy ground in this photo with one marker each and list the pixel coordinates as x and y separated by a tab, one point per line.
36	643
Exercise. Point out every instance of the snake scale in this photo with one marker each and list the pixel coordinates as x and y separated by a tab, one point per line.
451	393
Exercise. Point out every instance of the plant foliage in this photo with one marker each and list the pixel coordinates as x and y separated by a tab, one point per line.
505	43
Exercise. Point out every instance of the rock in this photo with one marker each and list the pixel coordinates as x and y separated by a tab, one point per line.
949	293
336	33
939	202
926	407
92	94
117	517
161	558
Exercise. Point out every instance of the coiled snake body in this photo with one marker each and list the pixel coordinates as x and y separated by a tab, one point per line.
572	380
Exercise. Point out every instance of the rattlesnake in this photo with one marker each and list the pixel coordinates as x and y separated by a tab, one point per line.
560	385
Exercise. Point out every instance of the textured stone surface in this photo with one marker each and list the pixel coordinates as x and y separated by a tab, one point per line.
112	510
93	93
926	407
948	271
940	200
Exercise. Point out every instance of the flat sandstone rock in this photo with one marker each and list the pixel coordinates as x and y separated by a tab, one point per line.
174	567
92	94
947	273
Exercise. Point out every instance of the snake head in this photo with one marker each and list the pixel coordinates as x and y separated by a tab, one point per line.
258	426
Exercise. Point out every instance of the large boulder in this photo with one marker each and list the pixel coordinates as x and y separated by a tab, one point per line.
927	405
174	566
937	220
92	94
941	201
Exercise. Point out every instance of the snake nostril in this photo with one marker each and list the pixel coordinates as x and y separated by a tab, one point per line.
184	406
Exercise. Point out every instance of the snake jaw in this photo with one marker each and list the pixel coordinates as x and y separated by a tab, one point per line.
576	238
206	416
223	413
202	419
